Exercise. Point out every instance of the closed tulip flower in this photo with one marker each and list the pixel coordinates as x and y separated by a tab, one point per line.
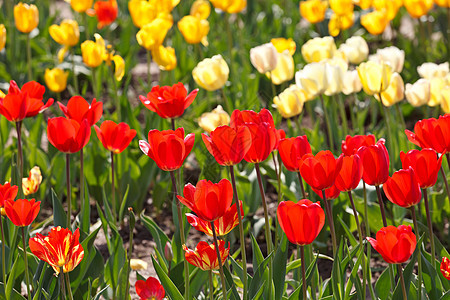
350	174
339	23
431	133
313	10
331	193
445	99
395	244
211	73
351	82
205	255
341	7
355	49
320	171
165	58
228	145
312	78
200	9
445	267
292	151
138	264
301	221
290	102
389	7
2	36
81	6
284	71
403	189
390	55
375	161
425	163
352	144
7	192
230	6
282	45
395	91
66	34
364	4
442	3
106	12
142	12
168	148
418	8
437	84
115	137
334	72
211	120
93	52
22	212
60	248
26	17
56	79
68	136
419	93
264	58
150	289
375	22
375	77
431	70
169	101
318	49
194	30
152	35
79	109
30	185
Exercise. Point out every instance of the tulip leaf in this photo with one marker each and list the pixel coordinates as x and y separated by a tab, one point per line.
85	213
297	294
279	267
13	294
348	233
431	280
446	296
59	215
197	280
383	285
258	257
168	285
124	203
260	272
17	269
233	293
158	235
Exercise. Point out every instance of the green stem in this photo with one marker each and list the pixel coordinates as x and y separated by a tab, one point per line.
302	263
430	226
62	284
69	192
343	115
29	60
19	157
219	259
226	101
94	83
380	200
116	94
130	251
149	75
3	251
387	117
27	276
86	25
300	180
82	196
400	115
366	211
352	112
327	123
69	289
419	256
211	286
113	188
329	215
75	78
402	280
445	182
298	122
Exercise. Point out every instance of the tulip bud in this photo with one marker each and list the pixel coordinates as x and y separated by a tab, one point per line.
211	120
284	70
165	58
26	17
264	58
430	70
93	52
56	79
395	91
418	8
138	264
2	36
375	77
81	6
290	102
200	9
282	45
419	93
355	49
390	55
375	22
168	253
153	34
211	73
318	49
313	10
351	82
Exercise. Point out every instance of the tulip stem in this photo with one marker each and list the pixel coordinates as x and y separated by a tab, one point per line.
419	256
69	192
29	62
3	251
329	214
219	259
113	187
241	233
300	180
19	157
387	118
69	290
183	241
116	95
75	78
400	115
225	100
447	155
402	281
343	115
149	63
211	286
366	211
380	200
86	25
94	82
327	123
302	263
430	225
82	198
445	183
27	276
62	284
298	122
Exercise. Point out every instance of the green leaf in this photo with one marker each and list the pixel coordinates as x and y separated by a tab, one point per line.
257	280
168	285
157	233
383	285
234	295
85	213
279	267
17	269
59	215
431	280
348	233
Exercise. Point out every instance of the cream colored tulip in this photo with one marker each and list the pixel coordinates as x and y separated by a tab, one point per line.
211	73
351	82
391	55
335	69
430	70
264	58
318	49
437	84
312	78
282	44
211	120
375	76
355	49
445	99
138	264
419	93
290	102
284	70
395	91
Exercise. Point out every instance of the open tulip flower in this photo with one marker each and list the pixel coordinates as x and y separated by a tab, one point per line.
403	188
150	289
292	150
320	170
68	136
23	103
425	163
431	133
7	192
350	174
204	256
208	200
375	161
352	144
22	212
395	244
106	12
30	185
60	248
222	225
445	267
79	109
115	137
169	101
168	148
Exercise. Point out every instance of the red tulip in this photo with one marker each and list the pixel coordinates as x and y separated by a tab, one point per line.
445	267
205	257
23	103
7	192
292	150
79	109
301	221
394	244
115	137
150	289
208	200
169	101
281	135
68	136
432	133
330	193
403	188
22	212
59	249
352	144
375	161
228	145
425	163
222	225
320	171
106	12
168	148
350	174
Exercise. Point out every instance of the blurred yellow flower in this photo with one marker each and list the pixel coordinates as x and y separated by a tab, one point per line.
211	73
390	7
390	55
138	264
431	70
341	7
437	84
2	95
364	4
92	52
335	70
375	22
211	120
442	3
119	64
152	35
418	8
395	91
284	71
289	103
66	34
56	79
445	99
419	93
318	49
2	36
165	6
340	22
80	5
194	30
351	82
282	44
264	57
313	10
200	9
31	184
355	49
142	12
165	58
26	17
312	79
375	77
230	6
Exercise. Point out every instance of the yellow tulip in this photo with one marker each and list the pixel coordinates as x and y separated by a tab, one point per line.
355	49
282	44
211	120
375	22
264	58
318	49
395	91
341	7
351	82
312	78
165	58
442	3
230	6
80	6
2	36
364	4
66	34
375	77
390	55
418	8
211	73
339	22
142	12
165	6
200	9
445	99
419	93
284	71
194	30
119	67
56	79
290	102
2	95
431	70
390	7
437	84
313	10
31	184
92	52
152	35
26	17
